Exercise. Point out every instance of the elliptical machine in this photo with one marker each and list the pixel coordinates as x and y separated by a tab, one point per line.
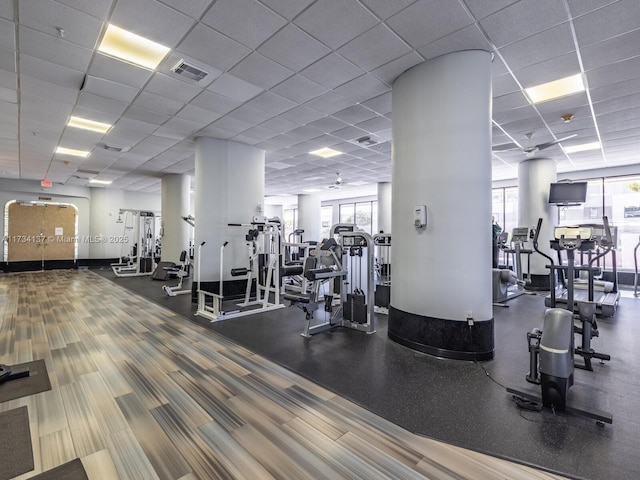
551	350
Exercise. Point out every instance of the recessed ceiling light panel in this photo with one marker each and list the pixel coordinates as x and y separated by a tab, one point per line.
132	48
556	89
582	148
100	182
326	152
91	125
73	152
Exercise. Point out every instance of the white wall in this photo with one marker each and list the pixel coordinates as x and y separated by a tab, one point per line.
97	211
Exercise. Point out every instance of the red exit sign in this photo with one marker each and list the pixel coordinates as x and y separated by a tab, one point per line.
45	183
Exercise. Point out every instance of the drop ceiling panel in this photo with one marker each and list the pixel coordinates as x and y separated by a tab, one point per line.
144	115
7	35
259	70
331	71
535	49
329	103
246	21
362	88
607	22
293	48
46	15
389	47
248	114
95	8
158	103
623	47
151	19
384	8
198	115
172	88
54	49
198	44
32	86
335	22
547	71
179	129
609	92
50	72
298	89
615	73
214	102
421	23
523	19
354	114
467	38
234	88
109	89
95	102
302	115
380	104
271	103
389	72
109	68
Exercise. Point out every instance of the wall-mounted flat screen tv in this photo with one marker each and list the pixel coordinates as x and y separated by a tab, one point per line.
573	193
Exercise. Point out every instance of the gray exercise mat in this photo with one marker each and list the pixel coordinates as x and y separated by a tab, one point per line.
15	443
36	382
72	470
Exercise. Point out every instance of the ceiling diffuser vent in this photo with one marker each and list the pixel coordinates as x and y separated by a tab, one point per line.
191	72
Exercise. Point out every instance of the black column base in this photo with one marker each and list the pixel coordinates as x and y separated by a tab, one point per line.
539	283
453	339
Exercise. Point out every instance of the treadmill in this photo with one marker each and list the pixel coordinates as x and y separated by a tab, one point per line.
599	242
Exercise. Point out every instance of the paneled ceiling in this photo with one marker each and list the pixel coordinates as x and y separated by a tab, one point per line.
292	76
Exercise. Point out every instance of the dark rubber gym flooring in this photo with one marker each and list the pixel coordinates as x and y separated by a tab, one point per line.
463	403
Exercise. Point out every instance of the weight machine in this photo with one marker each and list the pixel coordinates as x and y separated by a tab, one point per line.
264	245
382	248
343	282
181	271
140	260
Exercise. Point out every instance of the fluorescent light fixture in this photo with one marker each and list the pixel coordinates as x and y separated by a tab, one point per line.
582	148
91	125
556	89
71	151
326	152
311	190
100	182
132	48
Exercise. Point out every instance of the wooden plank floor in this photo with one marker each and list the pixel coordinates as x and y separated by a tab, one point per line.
139	392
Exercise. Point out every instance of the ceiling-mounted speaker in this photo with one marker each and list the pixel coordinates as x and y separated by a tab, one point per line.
189	71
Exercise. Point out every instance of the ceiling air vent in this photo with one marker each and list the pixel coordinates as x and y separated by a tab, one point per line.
191	72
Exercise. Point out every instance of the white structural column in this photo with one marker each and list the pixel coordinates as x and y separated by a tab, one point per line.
229	189
310	216
534	177
175	205
384	207
442	160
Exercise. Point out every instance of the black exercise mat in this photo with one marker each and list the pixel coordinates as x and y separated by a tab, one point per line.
36	382
16	456
72	470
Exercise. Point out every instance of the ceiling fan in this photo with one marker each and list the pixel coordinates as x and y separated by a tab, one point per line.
337	183
531	150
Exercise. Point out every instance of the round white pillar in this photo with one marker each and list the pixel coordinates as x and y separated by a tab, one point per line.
441	134
534	177
310	216
384	207
175	205
229	188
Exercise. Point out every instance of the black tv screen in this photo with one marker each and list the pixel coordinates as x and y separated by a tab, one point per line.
568	193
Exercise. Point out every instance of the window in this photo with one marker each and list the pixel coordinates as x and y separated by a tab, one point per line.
363	214
326	217
621	205
347	212
290	221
